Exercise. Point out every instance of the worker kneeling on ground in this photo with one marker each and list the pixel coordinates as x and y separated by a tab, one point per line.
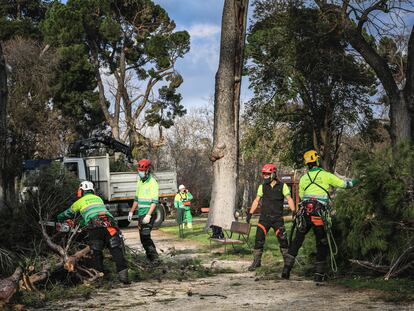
314	213
102	229
272	193
146	200
182	201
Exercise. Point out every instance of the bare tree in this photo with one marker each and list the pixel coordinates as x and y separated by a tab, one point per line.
359	20
225	153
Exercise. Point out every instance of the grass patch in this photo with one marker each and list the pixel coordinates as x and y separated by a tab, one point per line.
271	252
395	290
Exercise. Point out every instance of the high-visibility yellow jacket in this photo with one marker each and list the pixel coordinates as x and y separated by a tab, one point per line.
89	206
146	194
316	184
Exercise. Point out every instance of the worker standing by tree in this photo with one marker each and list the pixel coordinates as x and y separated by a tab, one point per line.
314	213
182	201
272	193
102	228
146	200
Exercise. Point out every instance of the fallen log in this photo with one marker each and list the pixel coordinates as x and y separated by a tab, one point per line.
71	261
8	286
24	281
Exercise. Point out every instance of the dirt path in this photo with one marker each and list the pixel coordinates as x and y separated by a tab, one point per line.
241	290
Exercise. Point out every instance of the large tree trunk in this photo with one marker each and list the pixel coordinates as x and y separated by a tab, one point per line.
226	115
3	125
401	119
401	116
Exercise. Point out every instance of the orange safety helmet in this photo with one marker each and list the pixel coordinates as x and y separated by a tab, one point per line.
143	165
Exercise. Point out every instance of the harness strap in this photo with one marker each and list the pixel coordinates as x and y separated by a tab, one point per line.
262	227
313	182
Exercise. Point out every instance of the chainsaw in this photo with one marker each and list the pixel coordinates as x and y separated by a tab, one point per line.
66	226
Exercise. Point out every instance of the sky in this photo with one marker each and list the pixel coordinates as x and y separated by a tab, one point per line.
202	19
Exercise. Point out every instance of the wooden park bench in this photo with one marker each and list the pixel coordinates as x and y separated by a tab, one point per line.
242	229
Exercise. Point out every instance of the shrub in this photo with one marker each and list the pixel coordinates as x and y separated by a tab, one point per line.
374	219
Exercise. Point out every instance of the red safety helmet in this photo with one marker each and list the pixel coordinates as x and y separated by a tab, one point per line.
143	165
269	168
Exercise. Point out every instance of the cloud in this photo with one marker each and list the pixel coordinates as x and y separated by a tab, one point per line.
203	30
204	56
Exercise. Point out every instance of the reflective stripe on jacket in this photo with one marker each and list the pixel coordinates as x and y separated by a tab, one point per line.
89	206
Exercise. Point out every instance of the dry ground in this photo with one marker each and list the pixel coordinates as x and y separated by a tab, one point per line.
235	291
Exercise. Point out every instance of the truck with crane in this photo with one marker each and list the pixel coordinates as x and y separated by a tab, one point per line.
117	189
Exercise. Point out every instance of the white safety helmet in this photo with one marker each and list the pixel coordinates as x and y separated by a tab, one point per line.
86	186
181	187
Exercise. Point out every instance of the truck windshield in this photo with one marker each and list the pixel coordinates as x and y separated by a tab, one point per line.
72	168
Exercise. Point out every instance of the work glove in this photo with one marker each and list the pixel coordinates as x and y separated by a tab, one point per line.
146	219
248	217
354	182
130	216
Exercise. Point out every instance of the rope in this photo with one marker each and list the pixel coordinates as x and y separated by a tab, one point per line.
325	214
333	247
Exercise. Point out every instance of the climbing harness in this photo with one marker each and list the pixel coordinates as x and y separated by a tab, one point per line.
320	215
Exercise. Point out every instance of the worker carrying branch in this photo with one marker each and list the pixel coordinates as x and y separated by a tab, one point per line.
146	200
272	193
101	226
314	213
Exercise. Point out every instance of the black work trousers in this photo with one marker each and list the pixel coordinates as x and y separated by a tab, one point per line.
263	227
145	236
315	223
99	238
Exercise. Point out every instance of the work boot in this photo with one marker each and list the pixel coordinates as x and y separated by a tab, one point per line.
320	274
257	262
123	276
289	262
153	257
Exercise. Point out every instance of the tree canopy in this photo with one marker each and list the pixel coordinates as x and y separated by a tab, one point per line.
305	80
108	48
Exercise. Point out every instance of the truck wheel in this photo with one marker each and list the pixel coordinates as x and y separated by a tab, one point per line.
160	216
123	223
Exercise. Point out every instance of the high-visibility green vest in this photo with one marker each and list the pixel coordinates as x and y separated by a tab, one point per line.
146	194
180	198
89	206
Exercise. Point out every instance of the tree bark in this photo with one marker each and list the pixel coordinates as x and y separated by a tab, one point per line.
3	125
9	286
401	118
226	115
